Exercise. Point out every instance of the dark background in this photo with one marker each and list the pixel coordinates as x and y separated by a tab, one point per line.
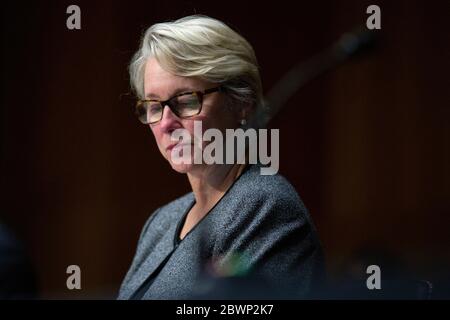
366	145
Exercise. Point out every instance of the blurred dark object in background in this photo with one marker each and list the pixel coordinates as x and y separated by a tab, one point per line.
397	280
17	277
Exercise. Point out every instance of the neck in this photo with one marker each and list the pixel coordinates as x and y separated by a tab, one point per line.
210	182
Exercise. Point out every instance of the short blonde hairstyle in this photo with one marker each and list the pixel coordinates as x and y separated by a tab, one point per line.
200	46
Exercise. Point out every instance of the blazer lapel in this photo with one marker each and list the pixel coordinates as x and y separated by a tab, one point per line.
165	236
152	261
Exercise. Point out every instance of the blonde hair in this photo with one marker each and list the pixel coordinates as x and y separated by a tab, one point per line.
200	46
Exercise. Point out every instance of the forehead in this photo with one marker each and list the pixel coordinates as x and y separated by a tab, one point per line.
159	83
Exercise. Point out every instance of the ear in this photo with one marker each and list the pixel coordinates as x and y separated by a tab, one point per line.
246	110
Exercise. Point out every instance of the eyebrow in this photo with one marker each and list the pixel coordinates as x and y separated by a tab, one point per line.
151	95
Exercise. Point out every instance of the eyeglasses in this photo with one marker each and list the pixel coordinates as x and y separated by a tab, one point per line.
183	105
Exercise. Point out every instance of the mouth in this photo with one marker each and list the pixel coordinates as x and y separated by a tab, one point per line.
177	145
170	147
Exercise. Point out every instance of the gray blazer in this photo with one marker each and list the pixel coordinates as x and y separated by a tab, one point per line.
260	219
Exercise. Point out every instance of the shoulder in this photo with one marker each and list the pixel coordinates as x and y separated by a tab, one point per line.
262	204
165	216
268	191
267	185
268	225
175	208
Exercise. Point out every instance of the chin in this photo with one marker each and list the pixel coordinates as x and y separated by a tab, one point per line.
181	168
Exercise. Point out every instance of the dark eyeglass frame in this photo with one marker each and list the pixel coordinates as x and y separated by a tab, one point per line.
171	103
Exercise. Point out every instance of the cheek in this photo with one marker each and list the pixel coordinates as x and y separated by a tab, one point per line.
205	124
219	121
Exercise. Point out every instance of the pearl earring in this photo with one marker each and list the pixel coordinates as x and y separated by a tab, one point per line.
243	122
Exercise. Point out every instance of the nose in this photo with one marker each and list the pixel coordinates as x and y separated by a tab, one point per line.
169	121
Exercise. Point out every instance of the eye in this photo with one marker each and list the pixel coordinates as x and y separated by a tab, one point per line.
187	101
153	107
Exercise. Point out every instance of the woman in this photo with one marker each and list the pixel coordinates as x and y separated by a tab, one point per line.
235	222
